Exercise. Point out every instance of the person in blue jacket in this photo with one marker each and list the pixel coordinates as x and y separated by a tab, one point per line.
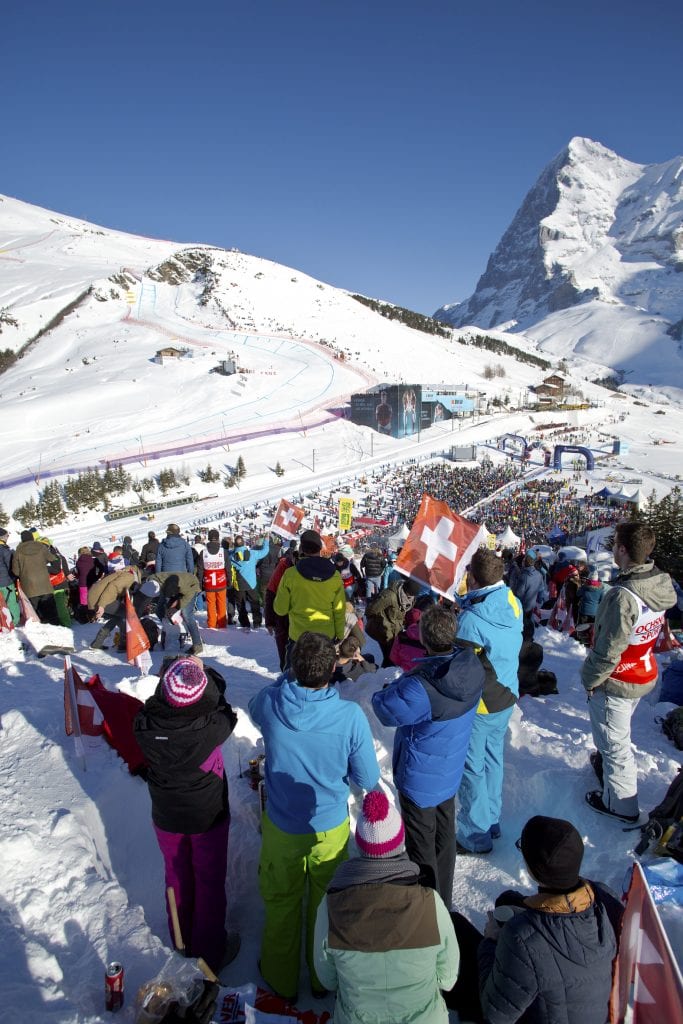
174	554
490	617
315	744
245	560
527	586
433	708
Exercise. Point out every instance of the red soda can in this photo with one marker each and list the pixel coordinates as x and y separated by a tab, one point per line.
113	987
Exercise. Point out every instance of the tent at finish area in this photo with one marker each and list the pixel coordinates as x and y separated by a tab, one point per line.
396	540
622	495
508	538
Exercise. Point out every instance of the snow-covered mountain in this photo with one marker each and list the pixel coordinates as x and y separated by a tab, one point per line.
592	263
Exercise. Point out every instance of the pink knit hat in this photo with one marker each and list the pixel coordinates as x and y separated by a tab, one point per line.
184	683
379	829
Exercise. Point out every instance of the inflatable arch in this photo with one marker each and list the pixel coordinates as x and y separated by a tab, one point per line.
503	440
586	452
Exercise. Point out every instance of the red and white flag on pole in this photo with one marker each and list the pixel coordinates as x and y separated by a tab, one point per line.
439	547
522	545
647	985
28	612
82	717
287	520
6	624
137	641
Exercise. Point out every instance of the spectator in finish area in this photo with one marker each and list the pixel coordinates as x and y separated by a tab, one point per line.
491	618
245	561
621	667
315	744
545	958
213	569
311	593
433	708
180	730
174	554
385	617
372	565
384	943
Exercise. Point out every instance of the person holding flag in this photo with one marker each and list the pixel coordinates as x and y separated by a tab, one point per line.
491	618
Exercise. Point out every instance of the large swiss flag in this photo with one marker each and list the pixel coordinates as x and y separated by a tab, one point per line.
439	546
287	520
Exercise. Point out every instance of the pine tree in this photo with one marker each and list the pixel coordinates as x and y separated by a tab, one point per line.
51	509
279	471
4	518
240	469
27	514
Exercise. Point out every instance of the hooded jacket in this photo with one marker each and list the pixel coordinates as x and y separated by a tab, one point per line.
527	586
186	777
385	614
108	590
552	962
315	743
32	564
491	618
614	621
245	561
174	554
385	945
311	593
433	709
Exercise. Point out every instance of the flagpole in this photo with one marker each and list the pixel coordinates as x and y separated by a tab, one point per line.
75	720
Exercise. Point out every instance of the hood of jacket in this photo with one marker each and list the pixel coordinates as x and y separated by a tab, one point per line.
300	708
458	676
314	567
173	540
496	605
575	924
650	584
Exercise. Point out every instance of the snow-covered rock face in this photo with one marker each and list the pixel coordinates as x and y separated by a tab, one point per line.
595	228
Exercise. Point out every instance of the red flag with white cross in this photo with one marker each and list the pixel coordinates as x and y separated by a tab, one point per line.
439	547
287	520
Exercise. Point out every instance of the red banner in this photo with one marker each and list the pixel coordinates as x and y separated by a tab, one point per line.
647	975
89	717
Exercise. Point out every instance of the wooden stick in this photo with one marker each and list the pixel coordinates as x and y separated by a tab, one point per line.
206	970
177	934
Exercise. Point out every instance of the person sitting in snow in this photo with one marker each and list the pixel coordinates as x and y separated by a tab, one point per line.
545	958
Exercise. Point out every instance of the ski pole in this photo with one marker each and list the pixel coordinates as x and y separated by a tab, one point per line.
177	934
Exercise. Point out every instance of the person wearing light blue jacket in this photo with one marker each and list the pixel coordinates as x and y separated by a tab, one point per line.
490	617
315	744
245	560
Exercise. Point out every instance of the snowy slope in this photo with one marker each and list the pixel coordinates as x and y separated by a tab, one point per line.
82	878
591	264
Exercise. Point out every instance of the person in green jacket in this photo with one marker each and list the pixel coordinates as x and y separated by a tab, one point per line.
383	942
311	594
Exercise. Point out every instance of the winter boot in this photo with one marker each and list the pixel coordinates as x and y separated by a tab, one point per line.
99	643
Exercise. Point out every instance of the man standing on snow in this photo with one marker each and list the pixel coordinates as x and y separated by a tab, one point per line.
490	618
315	744
174	554
311	593
621	667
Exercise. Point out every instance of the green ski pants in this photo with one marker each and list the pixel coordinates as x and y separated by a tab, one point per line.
287	864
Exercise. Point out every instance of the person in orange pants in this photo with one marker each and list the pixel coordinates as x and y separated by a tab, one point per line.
213	569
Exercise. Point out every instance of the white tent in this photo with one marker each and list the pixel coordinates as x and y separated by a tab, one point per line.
396	540
508	538
572	553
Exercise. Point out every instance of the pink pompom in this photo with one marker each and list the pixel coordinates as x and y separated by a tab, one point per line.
375	806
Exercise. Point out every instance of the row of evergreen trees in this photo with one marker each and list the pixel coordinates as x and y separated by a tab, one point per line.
666	519
94	489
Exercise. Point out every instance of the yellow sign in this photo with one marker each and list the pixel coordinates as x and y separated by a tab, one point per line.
345	514
130	298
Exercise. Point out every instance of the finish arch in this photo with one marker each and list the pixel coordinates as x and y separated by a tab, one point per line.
561	448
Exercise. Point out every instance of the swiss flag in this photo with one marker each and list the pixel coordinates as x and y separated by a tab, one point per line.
90	720
6	624
522	546
439	546
287	520
137	642
646	975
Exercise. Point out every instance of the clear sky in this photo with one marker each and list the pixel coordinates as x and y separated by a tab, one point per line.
380	146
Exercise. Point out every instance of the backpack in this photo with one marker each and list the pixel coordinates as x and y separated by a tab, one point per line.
665	825
672	726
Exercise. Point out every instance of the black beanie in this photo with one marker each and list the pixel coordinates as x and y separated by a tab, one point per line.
553	850
26	535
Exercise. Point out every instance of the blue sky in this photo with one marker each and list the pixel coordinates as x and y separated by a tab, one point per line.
380	146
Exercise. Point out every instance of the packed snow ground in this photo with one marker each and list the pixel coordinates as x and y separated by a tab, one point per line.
82	878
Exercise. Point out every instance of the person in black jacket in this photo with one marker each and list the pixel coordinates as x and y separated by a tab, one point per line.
372	565
180	731
546	958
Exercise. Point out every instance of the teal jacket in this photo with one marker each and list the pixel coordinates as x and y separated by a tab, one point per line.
386	948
